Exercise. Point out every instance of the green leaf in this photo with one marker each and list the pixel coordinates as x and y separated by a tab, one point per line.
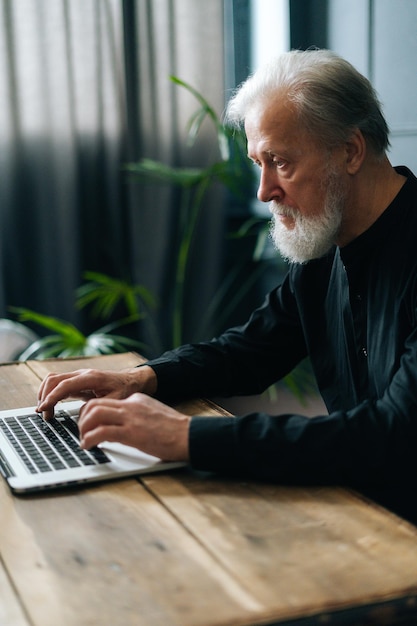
194	125
154	171
197	119
99	342
64	329
52	346
197	95
105	293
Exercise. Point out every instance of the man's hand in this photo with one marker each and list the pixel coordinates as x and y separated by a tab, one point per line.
119	408
138	421
90	383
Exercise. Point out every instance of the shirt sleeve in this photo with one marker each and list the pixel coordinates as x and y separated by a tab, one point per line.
370	446
351	449
243	360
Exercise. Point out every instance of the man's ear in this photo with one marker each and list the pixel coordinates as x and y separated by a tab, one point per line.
355	151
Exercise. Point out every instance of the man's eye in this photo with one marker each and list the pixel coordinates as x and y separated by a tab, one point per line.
279	162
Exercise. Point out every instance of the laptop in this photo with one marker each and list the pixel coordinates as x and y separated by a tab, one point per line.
36	455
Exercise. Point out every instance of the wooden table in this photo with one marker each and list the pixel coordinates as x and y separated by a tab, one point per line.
189	550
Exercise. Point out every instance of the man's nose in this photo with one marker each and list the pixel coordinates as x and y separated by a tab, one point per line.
269	187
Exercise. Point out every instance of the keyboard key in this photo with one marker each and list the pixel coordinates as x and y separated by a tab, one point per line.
53	445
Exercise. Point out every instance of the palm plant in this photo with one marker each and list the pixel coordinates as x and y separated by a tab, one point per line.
104	294
232	170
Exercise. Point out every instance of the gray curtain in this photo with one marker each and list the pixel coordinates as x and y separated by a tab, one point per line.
62	128
182	38
84	88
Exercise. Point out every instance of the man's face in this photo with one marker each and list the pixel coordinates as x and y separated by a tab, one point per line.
300	179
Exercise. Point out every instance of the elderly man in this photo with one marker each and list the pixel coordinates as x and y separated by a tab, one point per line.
347	221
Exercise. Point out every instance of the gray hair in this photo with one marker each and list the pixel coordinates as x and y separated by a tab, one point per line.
331	97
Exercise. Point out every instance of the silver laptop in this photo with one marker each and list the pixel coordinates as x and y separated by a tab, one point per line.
36	455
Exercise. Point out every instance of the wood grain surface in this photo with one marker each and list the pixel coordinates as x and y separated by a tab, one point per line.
189	549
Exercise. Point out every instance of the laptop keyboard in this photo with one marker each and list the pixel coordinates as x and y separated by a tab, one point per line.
46	446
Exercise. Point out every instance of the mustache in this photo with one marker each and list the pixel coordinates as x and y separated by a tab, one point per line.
282	210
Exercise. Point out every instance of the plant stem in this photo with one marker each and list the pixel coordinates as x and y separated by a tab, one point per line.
190	211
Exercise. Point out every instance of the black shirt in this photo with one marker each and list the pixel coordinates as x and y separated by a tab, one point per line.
353	312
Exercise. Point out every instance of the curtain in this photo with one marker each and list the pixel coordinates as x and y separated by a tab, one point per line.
62	124
84	88
183	38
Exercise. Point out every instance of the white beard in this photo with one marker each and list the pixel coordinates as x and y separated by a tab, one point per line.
311	237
